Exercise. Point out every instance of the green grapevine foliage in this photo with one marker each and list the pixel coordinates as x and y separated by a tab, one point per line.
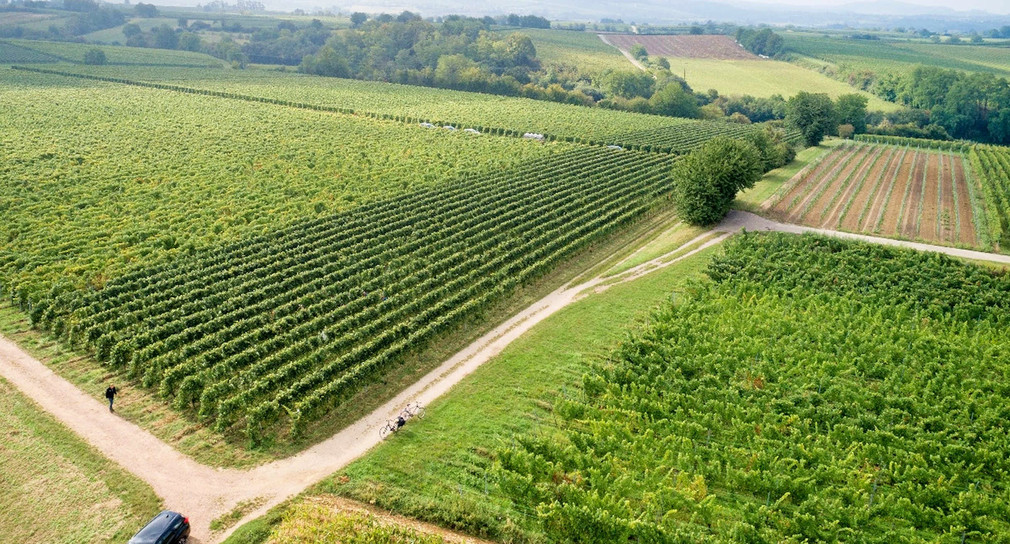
286	325
819	391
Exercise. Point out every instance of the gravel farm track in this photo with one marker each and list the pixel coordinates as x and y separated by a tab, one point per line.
683	46
206	493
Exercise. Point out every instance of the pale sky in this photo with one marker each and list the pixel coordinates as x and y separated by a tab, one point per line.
992	6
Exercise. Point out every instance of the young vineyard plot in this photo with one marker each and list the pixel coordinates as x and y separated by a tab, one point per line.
890	190
285	326
992	165
685	46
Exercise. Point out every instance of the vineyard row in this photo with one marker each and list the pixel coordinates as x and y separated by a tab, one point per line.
292	323
675	139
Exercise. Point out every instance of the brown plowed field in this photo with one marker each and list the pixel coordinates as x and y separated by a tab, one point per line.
929	219
692	47
819	208
893	206
874	180
907	192
832	216
797	198
964	217
910	211
875	214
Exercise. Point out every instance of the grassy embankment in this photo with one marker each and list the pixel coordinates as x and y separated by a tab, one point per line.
55	488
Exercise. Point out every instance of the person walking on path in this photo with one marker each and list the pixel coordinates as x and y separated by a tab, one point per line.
110	393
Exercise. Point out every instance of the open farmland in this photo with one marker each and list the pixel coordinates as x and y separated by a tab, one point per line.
897	56
764	78
992	166
98	178
583	51
685	46
116	55
883	189
295	321
13	53
705	63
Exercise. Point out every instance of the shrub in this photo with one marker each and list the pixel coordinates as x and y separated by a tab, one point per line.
95	57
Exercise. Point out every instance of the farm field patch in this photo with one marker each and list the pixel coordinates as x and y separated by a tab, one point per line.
457	109
685	46
887	190
836	430
763	78
582	50
99	178
285	326
120	55
898	56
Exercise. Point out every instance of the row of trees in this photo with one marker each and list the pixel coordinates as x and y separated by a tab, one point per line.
939	103
974	106
85	16
815	115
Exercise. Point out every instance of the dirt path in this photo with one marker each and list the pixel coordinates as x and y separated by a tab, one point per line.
626	54
205	493
744	220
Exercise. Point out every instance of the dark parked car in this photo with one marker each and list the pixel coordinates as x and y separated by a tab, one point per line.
167	527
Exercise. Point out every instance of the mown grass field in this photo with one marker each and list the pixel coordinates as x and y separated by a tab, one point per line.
888	190
58	489
763	78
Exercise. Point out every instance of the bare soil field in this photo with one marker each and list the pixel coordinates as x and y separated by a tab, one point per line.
860	203
929	218
912	205
964	226
692	47
885	190
795	188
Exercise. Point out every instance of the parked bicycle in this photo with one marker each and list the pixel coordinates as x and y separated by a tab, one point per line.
412	410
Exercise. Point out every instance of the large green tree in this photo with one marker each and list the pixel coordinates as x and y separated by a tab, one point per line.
851	110
628	84
813	114
706	181
674	100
